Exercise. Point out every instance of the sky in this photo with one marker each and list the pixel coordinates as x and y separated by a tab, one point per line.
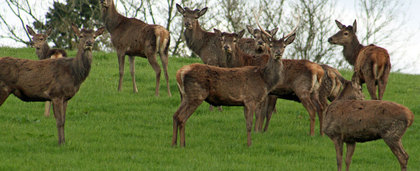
406	51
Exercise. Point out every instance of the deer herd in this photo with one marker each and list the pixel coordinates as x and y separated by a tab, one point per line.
237	71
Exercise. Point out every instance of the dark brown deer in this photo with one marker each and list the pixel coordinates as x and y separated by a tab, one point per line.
133	37
43	51
56	80
350	119
299	81
244	86
371	63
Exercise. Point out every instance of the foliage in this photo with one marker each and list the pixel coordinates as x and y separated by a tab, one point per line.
110	130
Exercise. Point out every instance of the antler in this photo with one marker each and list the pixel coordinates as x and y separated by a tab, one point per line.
294	29
258	23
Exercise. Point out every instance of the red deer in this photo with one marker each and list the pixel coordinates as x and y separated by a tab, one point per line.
371	63
255	45
350	119
43	51
205	44
56	80
299	81
133	37
245	86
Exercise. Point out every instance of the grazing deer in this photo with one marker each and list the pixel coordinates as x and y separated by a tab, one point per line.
133	37
299	81
371	63
55	80
350	119
245	86
43	51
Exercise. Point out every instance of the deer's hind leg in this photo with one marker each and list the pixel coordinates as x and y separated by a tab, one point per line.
121	59
164	59
151	57
133	73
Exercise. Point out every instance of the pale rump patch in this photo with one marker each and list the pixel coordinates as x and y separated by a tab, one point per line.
157	43
56	56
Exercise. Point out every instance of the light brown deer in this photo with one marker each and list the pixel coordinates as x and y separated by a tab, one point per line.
244	86
299	81
43	51
133	37
371	63
350	119
56	80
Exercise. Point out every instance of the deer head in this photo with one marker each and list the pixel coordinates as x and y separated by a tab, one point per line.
351	91
106	3
346	34
38	39
86	37
260	38
229	40
277	46
190	17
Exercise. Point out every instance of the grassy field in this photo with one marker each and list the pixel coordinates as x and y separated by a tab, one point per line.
110	130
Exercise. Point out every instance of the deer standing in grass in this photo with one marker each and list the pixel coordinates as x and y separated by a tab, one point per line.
245	86
371	63
56	80
133	37
350	119
43	51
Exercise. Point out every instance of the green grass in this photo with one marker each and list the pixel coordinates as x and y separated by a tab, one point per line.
110	130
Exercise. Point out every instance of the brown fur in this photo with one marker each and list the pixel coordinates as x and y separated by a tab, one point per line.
245	86
56	80
43	51
371	63
350	119
300	81
133	37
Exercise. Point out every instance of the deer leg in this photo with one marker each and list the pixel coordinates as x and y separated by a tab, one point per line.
164	59
260	114
338	143
270	109
398	150
121	59
47	108
381	87
350	151
4	93
156	67
249	110
133	73
370	84
307	103
319	109
59	115
183	117
176	122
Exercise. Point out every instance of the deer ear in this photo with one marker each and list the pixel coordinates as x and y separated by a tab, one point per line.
218	32
354	26
241	34
30	31
202	12
339	25
99	31
76	30
273	32
290	39
250	29
180	9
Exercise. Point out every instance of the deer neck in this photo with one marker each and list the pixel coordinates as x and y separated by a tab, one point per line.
351	51
81	65
271	73
111	18
43	51
194	38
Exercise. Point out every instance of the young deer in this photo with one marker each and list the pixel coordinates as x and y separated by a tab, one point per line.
43	51
133	37
350	119
371	63
49	80
244	86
